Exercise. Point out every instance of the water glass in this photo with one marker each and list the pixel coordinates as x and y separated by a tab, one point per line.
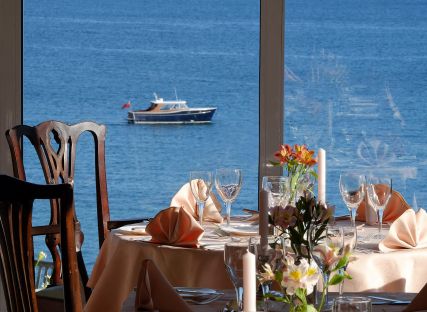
325	244
233	260
201	185
379	191
352	189
348	304
278	190
350	241
228	183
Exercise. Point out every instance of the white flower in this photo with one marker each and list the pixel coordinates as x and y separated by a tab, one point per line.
267	275
42	256
303	275
328	255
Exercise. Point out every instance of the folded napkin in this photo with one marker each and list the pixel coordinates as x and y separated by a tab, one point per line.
395	207
409	231
419	303
155	293
175	226
185	198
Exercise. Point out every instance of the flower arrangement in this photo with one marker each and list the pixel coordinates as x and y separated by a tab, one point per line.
293	222
303	222
298	162
296	278
296	275
46	279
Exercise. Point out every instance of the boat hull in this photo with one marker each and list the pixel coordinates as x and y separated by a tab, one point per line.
184	116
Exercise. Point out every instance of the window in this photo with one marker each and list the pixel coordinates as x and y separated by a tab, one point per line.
355	84
82	61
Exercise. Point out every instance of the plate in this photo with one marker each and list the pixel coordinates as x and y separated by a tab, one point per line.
133	229
242	229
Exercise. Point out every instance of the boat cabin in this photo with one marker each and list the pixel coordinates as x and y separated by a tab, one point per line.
161	105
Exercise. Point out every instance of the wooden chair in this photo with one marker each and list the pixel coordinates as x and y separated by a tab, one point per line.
16	243
58	166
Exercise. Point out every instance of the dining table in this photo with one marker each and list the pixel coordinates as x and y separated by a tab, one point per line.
115	273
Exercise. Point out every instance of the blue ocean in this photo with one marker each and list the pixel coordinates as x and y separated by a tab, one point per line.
355	85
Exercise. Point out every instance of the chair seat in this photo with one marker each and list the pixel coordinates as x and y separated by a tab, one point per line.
54	292
51	299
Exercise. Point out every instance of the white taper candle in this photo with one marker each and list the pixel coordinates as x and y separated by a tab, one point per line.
321	186
249	282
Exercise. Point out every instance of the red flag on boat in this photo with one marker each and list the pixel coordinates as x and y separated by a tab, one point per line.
126	105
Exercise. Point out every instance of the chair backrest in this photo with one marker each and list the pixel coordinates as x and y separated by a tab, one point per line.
55	144
16	243
58	164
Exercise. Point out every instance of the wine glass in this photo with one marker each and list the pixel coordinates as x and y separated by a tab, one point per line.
379	192
278	190
228	183
350	241
201	185
273	255
233	260
326	245
352	189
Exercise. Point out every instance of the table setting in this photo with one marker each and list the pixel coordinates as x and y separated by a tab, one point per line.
293	252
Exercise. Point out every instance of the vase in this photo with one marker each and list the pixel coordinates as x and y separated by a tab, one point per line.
298	185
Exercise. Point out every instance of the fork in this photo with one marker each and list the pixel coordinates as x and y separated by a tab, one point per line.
206	301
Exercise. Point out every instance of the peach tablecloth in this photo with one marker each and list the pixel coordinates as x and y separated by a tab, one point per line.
116	269
115	272
372	270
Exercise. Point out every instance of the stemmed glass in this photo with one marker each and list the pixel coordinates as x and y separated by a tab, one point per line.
379	192
278	190
326	245
350	241
352	189
228	183
201	185
233	260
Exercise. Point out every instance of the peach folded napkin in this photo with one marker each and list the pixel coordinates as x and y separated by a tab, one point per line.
175	226
155	293
409	231
185	198
395	207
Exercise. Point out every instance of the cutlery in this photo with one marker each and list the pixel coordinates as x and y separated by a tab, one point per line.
205	301
390	301
403	302
200	291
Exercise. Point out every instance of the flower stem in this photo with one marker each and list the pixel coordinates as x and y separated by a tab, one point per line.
325	291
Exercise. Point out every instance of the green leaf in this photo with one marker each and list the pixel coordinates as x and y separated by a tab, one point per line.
341	263
314	174
311	308
278	275
347	276
336	279
300	293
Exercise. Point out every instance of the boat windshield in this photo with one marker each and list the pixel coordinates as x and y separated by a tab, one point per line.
173	106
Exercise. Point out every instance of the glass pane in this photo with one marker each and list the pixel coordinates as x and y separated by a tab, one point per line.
355	84
84	60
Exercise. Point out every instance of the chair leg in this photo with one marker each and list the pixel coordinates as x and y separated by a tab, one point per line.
83	274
